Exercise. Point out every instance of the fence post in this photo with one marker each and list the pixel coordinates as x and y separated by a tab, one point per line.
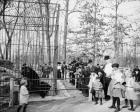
11	91
76	76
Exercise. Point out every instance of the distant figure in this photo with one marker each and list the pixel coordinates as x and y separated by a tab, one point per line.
46	70
64	70
97	69
59	70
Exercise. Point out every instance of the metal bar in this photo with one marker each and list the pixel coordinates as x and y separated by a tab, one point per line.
30	25
58	79
37	2
60	89
32	45
26	16
27	29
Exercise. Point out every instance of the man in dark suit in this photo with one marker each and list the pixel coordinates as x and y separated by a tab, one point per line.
108	70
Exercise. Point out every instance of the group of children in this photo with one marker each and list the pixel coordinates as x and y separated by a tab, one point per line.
122	85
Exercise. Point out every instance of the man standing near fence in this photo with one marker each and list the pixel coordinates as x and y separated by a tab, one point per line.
108	71
47	69
64	70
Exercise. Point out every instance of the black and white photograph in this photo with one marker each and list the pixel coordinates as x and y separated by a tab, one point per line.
69	55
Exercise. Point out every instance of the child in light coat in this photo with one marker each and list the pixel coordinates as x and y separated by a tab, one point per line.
99	93
23	96
115	86
130	93
91	81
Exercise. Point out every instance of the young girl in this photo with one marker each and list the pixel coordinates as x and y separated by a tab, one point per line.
115	86
90	85
99	93
23	96
130	93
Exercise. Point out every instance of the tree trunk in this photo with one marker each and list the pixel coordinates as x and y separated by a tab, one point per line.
55	59
42	47
116	40
47	33
65	30
1	52
95	15
8	49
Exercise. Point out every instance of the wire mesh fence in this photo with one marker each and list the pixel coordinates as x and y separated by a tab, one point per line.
29	34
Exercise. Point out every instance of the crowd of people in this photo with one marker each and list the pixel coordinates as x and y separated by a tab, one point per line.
98	83
109	82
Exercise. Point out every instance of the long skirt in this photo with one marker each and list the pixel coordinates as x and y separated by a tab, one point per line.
110	88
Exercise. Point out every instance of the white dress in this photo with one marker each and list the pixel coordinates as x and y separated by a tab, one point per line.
130	93
24	95
92	79
115	87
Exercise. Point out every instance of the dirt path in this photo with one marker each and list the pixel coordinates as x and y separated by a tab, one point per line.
75	104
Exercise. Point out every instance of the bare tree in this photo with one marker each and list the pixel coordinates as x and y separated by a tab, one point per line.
49	30
9	32
3	5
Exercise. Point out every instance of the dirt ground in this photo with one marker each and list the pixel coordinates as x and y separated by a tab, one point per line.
73	104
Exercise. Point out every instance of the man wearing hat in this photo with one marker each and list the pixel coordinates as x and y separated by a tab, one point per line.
108	71
59	70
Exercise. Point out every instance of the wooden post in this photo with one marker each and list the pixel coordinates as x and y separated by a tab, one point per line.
76	76
55	59
11	91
